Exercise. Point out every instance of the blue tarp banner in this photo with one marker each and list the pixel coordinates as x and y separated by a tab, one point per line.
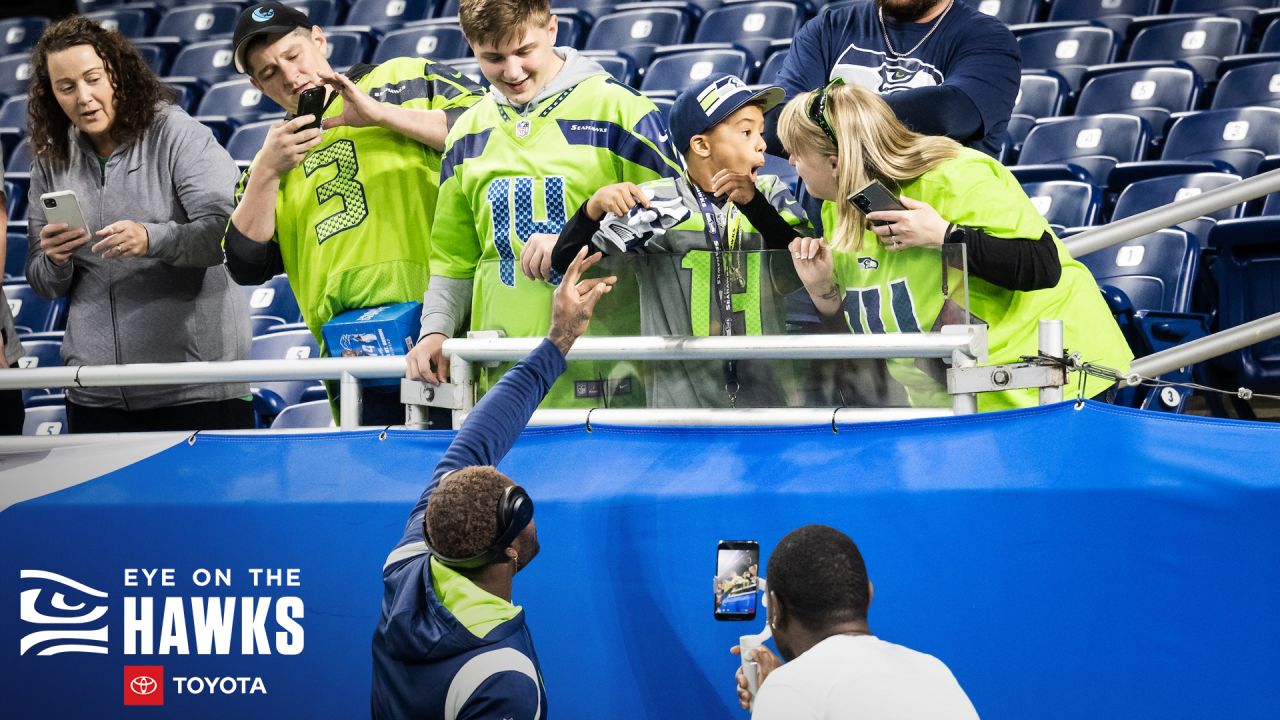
1063	563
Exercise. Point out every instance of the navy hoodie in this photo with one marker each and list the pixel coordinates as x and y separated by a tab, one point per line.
426	664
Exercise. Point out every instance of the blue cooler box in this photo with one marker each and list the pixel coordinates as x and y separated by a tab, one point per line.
386	330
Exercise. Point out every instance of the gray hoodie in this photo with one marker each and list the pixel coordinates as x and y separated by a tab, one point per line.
175	305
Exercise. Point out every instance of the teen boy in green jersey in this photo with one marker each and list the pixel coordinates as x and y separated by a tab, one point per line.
345	212
695	243
553	128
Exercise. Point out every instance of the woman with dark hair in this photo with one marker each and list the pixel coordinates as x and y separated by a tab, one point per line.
144	280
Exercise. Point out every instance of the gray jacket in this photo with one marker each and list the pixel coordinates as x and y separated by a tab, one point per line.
175	305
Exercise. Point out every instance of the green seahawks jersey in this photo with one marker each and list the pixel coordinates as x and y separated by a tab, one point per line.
901	291
507	176
353	220
674	262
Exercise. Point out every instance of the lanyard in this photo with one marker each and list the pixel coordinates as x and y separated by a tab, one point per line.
724	294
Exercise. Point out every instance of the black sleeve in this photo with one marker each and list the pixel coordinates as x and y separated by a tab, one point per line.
249	262
939	110
1017	264
777	232
576	234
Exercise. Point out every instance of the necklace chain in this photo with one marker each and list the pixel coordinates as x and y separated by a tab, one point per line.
884	31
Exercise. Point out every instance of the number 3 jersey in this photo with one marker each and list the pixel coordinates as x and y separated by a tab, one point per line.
353	220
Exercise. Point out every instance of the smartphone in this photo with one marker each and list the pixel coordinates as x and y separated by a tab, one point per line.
874	198
737	579
63	207
311	102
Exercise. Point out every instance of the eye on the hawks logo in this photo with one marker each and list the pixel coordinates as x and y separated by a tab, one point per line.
69	615
143	684
877	71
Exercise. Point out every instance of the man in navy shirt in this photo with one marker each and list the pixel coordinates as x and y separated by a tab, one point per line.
450	643
944	68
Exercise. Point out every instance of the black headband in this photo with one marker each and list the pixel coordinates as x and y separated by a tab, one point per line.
817	110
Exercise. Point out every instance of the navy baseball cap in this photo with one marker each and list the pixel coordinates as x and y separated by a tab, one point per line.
262	19
707	104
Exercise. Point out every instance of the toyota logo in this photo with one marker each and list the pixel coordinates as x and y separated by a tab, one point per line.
143	685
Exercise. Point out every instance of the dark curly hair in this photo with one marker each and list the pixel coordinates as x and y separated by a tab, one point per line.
462	514
137	89
819	576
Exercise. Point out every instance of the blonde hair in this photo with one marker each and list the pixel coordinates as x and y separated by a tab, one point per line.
872	144
490	22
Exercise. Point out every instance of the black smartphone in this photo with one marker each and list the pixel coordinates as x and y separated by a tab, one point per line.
311	102
737	579
874	198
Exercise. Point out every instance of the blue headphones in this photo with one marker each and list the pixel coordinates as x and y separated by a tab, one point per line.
515	511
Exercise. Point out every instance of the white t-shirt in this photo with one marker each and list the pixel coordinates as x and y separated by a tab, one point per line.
862	677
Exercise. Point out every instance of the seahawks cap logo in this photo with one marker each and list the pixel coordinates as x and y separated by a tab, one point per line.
263	14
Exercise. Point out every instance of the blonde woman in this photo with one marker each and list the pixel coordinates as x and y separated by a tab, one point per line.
883	268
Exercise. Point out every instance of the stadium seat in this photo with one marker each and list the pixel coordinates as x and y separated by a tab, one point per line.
13	113
263	324
1091	9
571	27
1148	194
1041	93
45	420
1011	12
638	32
39	354
769	71
131	22
1152	92
270	398
1068	50
19	162
156	56
1270	42
1244	10
319	12
675	68
752	25
1256	83
1015	135
15	74
388	14
15	257
1155	271
209	61
32	313
1238	139
247	140
234	102
1067	203
15	201
345	48
274	298
441	42
621	67
1093	143
314	414
593	8
1247	270
20	34
1201	42
198	22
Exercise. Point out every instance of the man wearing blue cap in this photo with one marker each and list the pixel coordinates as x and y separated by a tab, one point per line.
696	241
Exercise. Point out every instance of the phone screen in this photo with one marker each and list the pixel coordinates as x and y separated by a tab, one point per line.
311	102
737	579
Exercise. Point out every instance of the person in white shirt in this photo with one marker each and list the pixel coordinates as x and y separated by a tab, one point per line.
836	669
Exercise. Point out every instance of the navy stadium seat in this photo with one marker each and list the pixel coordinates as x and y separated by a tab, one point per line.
247	140
314	414
319	12
13	113
1245	10
1152	92
571	27
1200	42
273	297
1095	143
1255	83
1239	138
1155	271
19	160
45	420
1015	135
131	22
1041	93
210	61
638	32
673	69
1068	50
621	67
198	22
15	205
20	34
388	14
1090	9
443	42
186	92
1247	270
1270	42
15	74
1067	203
15	257
39	354
753	25
769	71
269	398
32	313
345	48
1011	12
156	56
237	100
1152	193
263	324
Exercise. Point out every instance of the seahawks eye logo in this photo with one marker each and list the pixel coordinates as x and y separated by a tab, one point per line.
263	14
868	263
68	616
